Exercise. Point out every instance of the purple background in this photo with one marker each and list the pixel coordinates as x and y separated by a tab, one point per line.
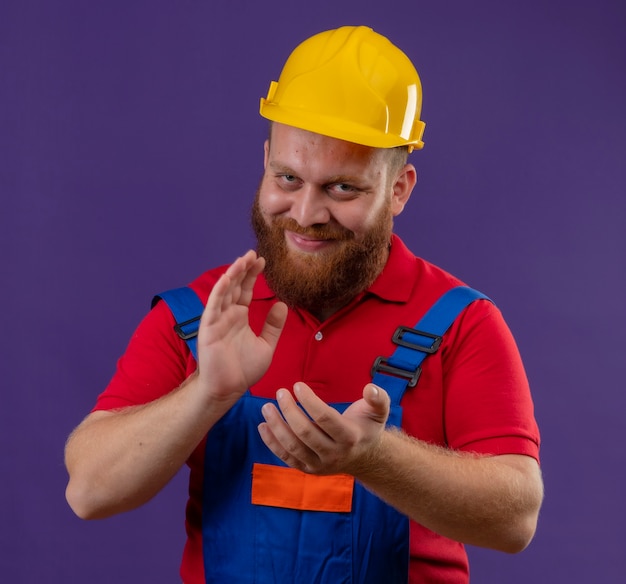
130	147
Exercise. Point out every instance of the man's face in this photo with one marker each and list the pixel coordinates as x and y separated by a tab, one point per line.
323	217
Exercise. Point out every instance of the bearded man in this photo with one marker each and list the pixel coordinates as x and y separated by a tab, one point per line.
312	458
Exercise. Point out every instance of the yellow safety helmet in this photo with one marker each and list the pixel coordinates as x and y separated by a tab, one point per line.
352	84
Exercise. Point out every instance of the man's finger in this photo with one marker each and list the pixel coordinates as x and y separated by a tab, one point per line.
282	440
326	418
379	402
274	324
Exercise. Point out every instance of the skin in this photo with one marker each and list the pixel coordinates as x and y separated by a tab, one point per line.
487	501
119	460
318	180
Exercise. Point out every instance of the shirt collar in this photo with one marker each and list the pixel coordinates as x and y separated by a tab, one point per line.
393	284
397	279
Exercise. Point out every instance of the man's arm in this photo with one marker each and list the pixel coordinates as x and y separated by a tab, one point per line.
489	501
119	460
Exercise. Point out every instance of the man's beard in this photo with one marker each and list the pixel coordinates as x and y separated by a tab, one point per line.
327	280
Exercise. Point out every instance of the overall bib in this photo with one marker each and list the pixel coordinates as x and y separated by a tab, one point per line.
266	523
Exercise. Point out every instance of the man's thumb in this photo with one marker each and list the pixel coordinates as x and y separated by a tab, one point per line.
378	400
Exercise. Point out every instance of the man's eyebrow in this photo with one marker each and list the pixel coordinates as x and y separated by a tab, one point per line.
279	167
344	178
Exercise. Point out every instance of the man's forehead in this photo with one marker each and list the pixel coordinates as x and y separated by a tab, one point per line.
289	145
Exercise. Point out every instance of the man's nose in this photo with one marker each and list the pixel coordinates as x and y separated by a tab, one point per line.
309	207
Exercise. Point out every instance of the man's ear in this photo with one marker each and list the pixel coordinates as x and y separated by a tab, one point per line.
266	152
402	188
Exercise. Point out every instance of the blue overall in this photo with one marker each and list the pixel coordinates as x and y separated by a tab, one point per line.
250	543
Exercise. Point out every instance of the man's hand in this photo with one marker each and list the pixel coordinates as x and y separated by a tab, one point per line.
489	501
231	357
118	460
316	438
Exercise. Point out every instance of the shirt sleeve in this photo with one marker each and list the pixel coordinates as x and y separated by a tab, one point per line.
488	407
155	362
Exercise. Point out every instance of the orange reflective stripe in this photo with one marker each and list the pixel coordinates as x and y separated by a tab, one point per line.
279	486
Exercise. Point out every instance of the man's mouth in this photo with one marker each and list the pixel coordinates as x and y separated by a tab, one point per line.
307	243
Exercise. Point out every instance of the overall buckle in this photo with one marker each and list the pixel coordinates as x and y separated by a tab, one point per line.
398	338
381	364
185	336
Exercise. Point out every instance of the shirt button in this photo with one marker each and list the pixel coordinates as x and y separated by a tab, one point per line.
319	336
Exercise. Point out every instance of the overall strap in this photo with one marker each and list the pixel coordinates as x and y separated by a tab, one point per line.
394	374
187	309
403	368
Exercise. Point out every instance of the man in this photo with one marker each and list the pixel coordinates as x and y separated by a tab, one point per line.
302	469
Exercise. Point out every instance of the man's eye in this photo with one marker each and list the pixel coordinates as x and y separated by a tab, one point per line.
288	181
343	189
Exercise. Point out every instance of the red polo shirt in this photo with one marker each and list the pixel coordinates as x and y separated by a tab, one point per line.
473	394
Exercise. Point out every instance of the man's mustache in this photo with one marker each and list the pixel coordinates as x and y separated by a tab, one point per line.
314	231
